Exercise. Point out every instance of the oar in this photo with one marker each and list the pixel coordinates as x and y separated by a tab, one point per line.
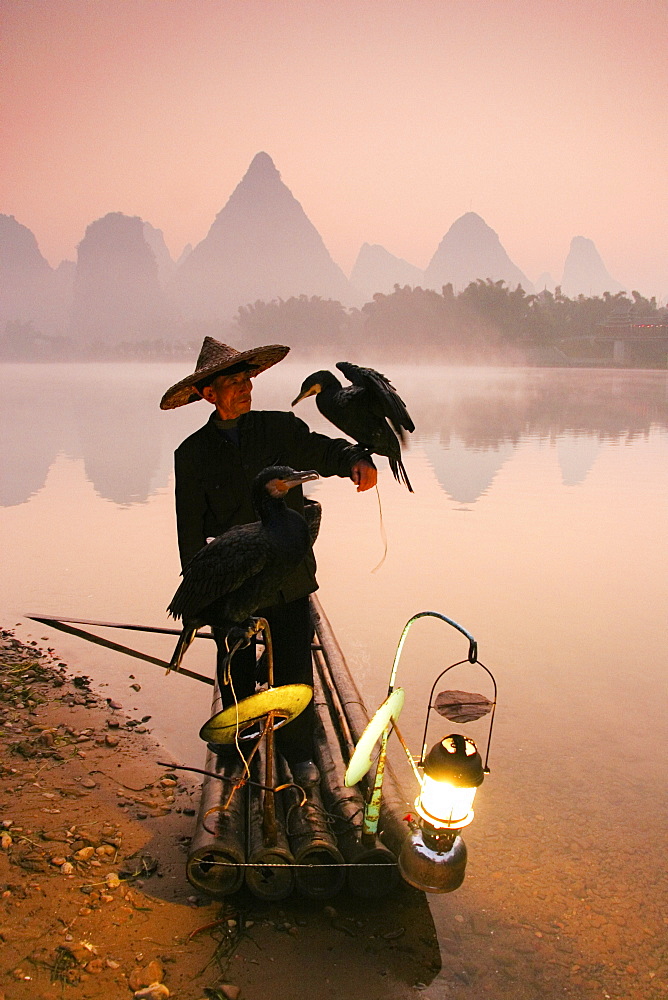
64	626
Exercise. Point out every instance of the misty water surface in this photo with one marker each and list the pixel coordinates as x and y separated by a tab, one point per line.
539	522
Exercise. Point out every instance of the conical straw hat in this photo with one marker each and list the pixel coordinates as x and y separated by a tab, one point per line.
215	359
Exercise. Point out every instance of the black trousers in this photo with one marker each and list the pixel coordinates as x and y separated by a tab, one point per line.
291	634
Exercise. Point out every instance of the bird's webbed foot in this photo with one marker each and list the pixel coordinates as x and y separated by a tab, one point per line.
240	636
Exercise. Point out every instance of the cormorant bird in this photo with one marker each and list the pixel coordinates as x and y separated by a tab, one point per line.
362	411
240	571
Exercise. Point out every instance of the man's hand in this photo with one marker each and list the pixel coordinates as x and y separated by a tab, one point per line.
364	474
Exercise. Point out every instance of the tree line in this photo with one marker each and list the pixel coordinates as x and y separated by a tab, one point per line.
488	322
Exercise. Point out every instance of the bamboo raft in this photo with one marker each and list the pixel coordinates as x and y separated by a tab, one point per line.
257	826
315	846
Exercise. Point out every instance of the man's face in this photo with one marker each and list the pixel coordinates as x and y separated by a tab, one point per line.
230	394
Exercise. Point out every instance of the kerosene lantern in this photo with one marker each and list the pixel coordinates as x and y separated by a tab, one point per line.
433	857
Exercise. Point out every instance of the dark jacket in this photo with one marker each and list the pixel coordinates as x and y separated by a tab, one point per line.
214	478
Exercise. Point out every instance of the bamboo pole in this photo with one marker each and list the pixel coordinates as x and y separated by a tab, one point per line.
218	846
217	849
394	805
273	878
311	842
374	873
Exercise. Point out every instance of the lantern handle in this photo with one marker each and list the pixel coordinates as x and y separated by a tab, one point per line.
473	645
431	705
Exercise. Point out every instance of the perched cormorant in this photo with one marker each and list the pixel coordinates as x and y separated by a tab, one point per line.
362	411
240	571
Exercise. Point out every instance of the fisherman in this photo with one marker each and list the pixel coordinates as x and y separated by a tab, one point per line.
215	468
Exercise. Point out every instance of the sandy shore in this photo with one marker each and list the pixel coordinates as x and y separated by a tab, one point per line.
93	896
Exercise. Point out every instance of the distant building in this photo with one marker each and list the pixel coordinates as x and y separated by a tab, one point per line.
629	334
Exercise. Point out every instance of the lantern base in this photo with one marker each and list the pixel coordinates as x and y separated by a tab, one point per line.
433	863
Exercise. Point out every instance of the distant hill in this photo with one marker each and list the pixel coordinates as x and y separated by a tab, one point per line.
544	282
30	290
584	271
468	251
117	291
261	254
156	241
377	270
19	254
260	246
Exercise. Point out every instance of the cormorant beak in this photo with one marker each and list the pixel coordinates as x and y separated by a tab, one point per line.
279	487
297	478
312	391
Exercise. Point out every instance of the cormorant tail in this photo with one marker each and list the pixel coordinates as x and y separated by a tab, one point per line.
183	642
399	473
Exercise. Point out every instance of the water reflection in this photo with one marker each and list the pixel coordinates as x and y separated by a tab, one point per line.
106	415
557	568
486	407
120	437
577	454
469	421
466	473
29	443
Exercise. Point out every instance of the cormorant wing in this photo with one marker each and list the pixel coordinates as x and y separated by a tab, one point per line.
383	393
220	568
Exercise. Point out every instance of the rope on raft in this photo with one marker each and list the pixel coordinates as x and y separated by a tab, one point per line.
336	864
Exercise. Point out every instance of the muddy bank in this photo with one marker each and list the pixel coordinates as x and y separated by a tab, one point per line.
93	896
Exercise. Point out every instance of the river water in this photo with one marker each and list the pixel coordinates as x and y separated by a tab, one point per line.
539	523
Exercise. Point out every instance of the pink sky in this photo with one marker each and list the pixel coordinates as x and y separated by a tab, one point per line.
388	119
